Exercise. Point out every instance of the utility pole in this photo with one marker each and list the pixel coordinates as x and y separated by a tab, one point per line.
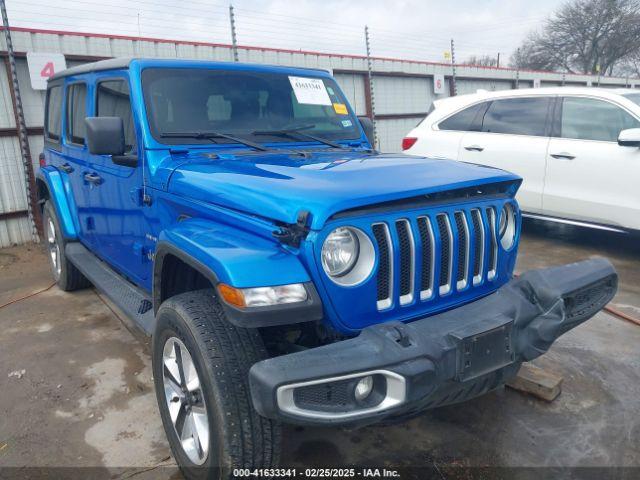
372	103
234	40
517	68
29	178
454	86
498	61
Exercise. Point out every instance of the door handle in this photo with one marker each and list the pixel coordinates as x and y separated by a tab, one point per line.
65	167
93	178
563	155
474	148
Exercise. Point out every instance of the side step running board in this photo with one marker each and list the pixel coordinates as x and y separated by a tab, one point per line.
134	302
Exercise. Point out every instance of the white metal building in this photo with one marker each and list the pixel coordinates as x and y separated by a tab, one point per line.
402	93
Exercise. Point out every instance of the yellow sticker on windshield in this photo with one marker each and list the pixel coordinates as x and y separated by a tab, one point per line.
340	108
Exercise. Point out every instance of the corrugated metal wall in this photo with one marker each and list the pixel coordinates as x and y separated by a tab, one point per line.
403	93
353	87
13	198
473	85
400	103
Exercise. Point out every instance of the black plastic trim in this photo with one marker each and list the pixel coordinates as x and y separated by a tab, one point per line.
488	191
164	248
518	322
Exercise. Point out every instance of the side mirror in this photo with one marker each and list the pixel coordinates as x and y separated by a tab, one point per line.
367	126
105	136
629	138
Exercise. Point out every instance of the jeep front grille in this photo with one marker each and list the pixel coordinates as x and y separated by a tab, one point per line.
451	250
385	265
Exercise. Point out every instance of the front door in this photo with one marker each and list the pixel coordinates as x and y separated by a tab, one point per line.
513	135
120	223
589	176
73	158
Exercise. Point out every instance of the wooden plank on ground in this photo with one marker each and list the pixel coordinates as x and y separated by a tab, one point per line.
537	382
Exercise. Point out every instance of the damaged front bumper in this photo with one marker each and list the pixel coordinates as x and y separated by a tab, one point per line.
446	358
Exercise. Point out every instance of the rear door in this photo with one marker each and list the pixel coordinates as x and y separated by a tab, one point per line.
443	139
513	134
589	176
120	223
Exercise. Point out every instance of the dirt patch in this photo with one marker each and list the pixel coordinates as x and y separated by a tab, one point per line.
6	259
86	381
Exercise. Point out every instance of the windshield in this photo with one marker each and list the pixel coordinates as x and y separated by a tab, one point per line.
634	97
241	103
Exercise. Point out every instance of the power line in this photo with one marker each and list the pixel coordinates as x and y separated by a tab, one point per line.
209	22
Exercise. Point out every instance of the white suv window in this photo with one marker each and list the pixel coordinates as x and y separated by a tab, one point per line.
592	119
462	120
517	116
634	97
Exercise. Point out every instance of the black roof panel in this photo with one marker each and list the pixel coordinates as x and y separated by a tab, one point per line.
111	64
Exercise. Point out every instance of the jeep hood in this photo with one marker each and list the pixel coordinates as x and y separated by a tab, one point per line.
278	186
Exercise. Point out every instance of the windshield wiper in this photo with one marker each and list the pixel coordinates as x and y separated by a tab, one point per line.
212	135
298	131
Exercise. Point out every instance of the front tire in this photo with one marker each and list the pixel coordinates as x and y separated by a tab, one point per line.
65	273
201	365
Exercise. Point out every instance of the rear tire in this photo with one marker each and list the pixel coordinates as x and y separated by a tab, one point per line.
65	273
221	355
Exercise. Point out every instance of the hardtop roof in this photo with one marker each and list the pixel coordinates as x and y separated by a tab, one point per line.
110	64
125	62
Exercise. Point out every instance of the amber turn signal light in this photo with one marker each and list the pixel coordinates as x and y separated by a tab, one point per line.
233	296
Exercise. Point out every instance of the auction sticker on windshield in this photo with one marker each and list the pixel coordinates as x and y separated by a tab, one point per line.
310	91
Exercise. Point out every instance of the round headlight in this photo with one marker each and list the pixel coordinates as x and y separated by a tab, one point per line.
340	252
507	227
348	256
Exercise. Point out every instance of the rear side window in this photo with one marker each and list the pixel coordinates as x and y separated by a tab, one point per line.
517	116
591	119
76	112
634	97
53	122
114	100
462	120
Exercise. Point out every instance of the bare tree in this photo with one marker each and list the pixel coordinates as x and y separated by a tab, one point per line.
631	66
481	61
584	36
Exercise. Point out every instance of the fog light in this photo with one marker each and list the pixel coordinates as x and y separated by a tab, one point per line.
364	388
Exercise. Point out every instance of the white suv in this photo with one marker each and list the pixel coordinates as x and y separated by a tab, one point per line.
577	149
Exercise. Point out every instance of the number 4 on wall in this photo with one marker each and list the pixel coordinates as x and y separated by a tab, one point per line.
47	70
43	66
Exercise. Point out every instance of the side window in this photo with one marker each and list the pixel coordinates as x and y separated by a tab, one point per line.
53	122
517	116
114	100
76	112
591	119
462	120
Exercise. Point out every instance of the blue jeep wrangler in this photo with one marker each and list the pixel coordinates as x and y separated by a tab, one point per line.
285	270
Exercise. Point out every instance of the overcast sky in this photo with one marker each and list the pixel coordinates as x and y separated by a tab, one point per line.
416	29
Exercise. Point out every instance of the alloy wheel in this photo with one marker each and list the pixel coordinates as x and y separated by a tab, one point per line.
185	400
54	248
